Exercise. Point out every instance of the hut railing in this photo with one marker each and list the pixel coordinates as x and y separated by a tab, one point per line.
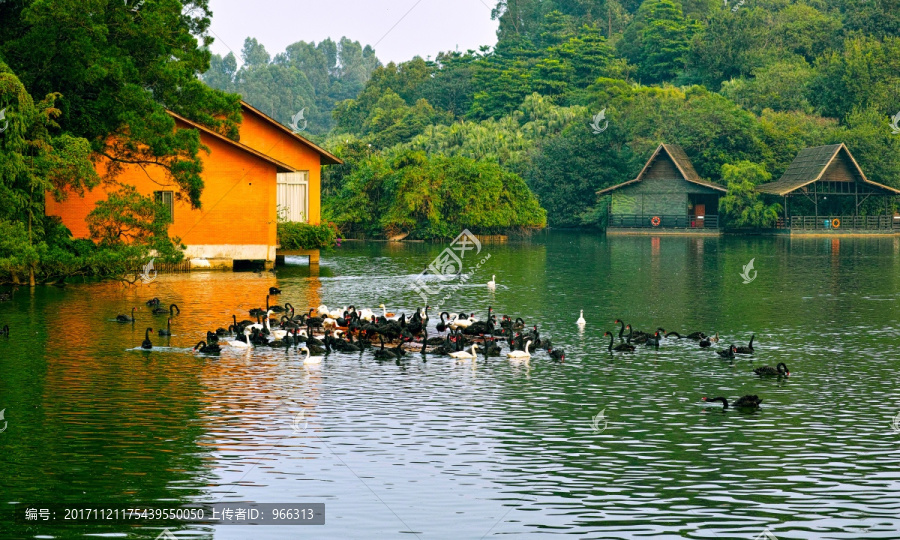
838	223
671	221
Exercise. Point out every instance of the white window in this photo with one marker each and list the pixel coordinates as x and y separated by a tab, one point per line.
167	198
293	196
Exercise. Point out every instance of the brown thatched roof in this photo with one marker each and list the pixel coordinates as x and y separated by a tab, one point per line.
681	161
809	166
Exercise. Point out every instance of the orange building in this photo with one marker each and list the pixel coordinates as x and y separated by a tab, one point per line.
247	184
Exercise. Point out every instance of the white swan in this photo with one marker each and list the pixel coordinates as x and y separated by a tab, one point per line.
520	354
241	344
311	359
277	334
388	316
367	314
260	326
581	321
464	354
462	322
492	284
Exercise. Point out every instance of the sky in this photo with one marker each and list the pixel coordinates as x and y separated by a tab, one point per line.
397	29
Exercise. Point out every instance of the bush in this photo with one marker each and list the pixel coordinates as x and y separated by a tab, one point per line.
430	197
305	236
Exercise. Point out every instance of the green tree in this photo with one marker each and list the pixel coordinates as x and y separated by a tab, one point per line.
743	206
782	86
865	74
657	40
34	163
117	70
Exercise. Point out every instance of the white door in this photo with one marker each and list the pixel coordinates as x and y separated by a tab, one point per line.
293	196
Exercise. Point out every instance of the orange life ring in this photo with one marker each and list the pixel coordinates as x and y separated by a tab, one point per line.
836	223
655	221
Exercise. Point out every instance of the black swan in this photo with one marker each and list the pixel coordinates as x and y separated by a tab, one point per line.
274	290
212	348
620	347
727	353
168	330
273	309
147	344
653	341
171	311
744	402
126	318
153	302
621	329
769	371
696	336
5	330
557	354
748	349
705	342
384	354
491	348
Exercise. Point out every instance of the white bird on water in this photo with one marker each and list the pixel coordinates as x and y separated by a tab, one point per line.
581	321
310	359
463	355
492	284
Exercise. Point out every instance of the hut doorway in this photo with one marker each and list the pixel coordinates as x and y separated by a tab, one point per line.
703	210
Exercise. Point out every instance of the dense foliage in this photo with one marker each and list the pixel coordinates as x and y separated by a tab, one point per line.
295	235
745	81
409	192
109	71
307	77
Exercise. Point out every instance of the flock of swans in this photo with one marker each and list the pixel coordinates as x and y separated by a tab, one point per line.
628	343
321	330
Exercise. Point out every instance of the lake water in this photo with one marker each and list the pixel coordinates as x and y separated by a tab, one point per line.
440	448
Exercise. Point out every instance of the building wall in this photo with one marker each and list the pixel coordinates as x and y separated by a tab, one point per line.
238	206
258	133
656	196
841	170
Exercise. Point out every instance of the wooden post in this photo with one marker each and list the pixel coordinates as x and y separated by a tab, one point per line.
816	197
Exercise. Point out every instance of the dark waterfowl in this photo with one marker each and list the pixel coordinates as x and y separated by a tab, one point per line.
621	347
274	290
147	344
748	349
126	318
212	348
744	402
727	353
5	330
621	329
153	302
7	296
172	310
168	330
781	370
